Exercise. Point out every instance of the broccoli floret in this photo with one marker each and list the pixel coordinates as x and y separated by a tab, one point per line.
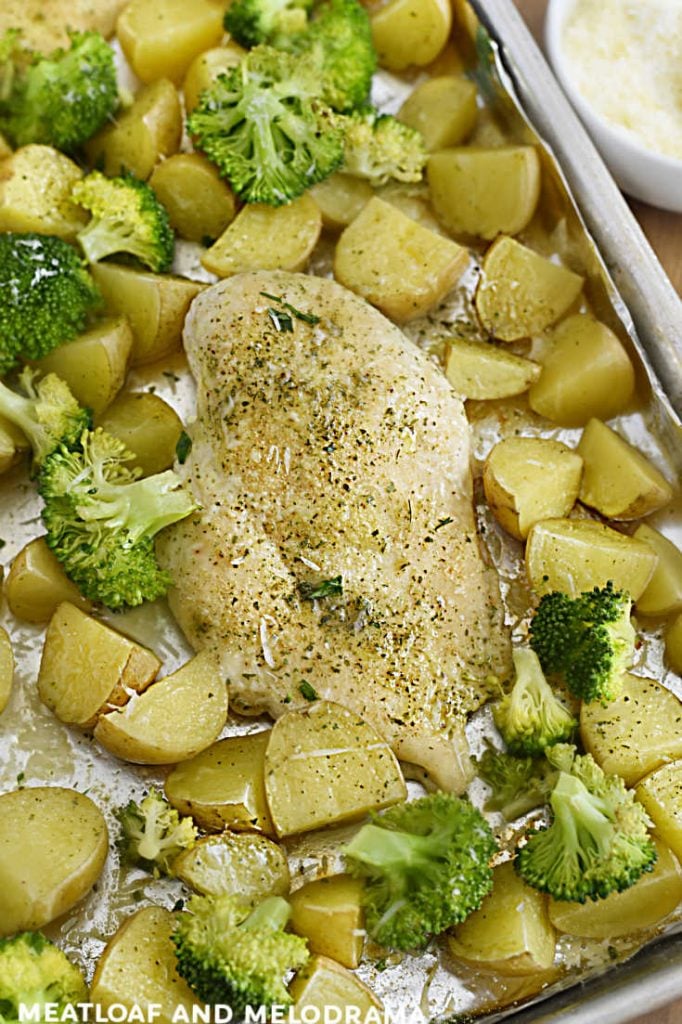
519	784
46	411
34	972
61	99
380	148
153	833
260	125
588	640
531	717
425	865
598	841
101	519
252	22
46	294
126	217
233	955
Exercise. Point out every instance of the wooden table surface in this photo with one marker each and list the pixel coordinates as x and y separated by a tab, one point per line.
664	231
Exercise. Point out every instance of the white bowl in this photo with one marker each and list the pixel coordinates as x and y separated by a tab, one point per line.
641	172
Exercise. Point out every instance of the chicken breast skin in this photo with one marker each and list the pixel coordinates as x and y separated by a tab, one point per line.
335	552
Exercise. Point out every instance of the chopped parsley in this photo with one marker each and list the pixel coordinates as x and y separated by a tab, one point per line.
307	691
325	588
307	318
281	321
183	447
443	522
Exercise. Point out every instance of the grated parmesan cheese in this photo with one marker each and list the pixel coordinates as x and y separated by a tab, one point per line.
626	58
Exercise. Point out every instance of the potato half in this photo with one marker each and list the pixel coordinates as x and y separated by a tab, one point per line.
149	427
406	32
661	794
36	584
35	193
328	913
6	669
663	595
163	38
324	984
443	109
482	371
242	864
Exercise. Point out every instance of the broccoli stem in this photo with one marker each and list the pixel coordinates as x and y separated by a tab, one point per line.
272	913
142	507
20	411
392	850
582	817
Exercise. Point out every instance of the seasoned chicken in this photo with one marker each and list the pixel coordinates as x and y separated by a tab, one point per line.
336	552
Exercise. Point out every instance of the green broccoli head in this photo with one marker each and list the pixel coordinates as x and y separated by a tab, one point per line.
380	148
588	640
126	217
46	294
61	99
233	955
259	124
425	866
46	411
531	717
33	972
153	833
518	784
101	519
251	22
598	841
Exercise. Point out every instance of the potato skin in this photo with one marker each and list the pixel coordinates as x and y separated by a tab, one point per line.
199	202
6	669
443	109
36	584
148	427
406	32
163	37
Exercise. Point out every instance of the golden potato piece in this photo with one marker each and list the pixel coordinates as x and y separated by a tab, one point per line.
575	555
148	427
205	69
323	983
138	969
413	200
635	733
443	109
200	204
161	38
35	193
586	373
511	932
406	32
13	444
648	901
673	644
155	305
663	595
173	720
142	135
619	482
242	864
395	263
224	786
266	238
661	794
53	844
328	913
520	292
485	192
86	667
482	371
6	669
94	364
340	198
311	781
527	479
36	584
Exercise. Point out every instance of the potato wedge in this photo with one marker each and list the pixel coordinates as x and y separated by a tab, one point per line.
660	792
485	192
266	238
199	202
35	193
340	199
86	667
520	292
13	445
673	644
511	932
635	733
663	595
6	669
328	913
311	781
527	479
324	984
586	373
162	37
242	864
482	371
42	878
173	720
224	786
94	364
155	305
619	482
648	901
142	135
138	969
443	109
575	555
205	69
148	427
395	263
406	32
36	584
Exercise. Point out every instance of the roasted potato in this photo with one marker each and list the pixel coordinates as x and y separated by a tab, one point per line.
35	193
199	202
482	371
619	482
36	584
148	427
162	37
406	32
673	644
6	669
173	720
310	783
527	479
328	913
661	794
205	69
340	198
663	595
244	864
443	109
323	984
53	845
395	263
